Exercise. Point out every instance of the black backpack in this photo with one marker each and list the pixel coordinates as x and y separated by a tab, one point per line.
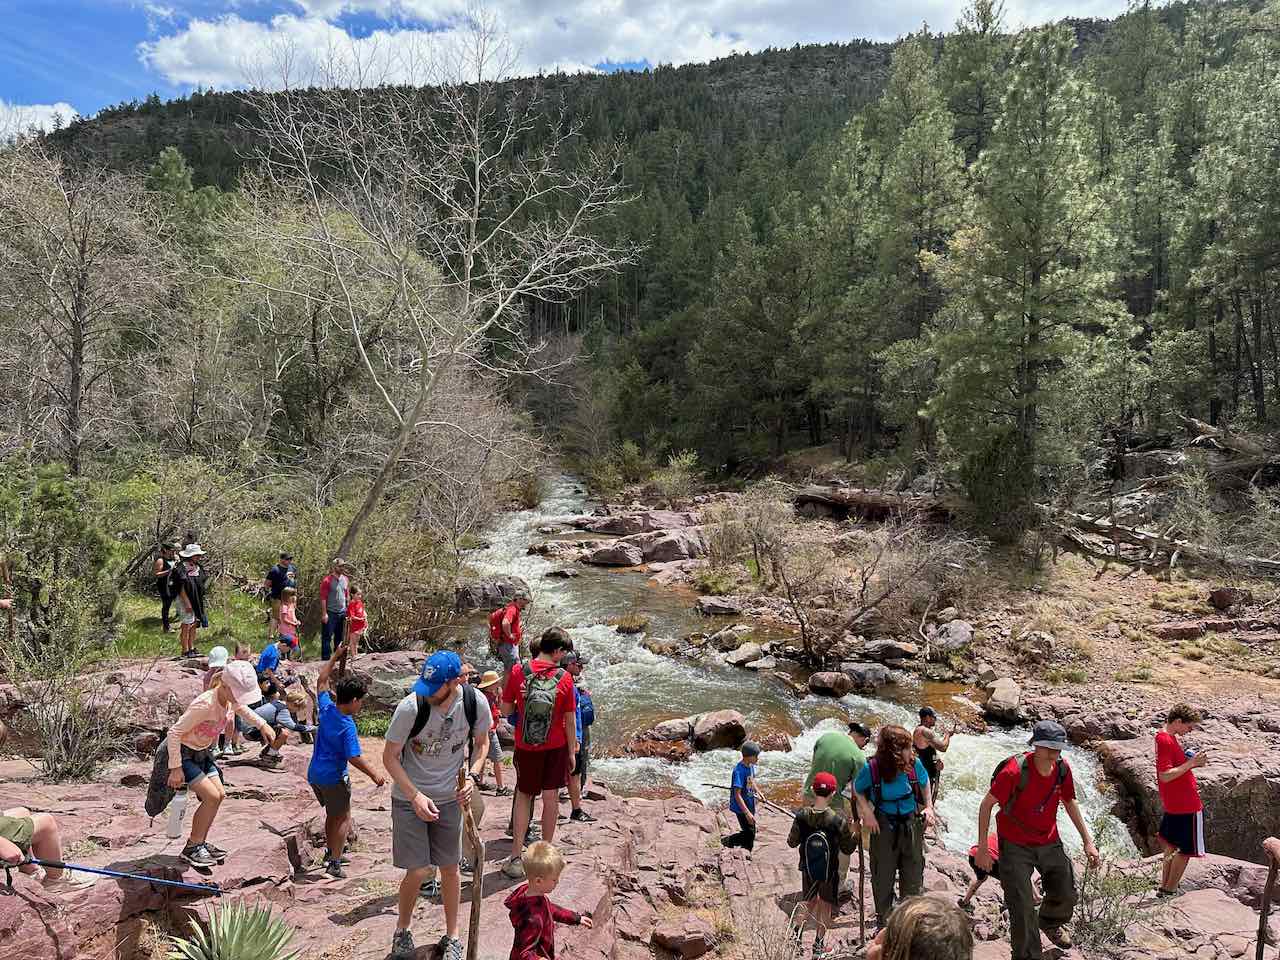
1024	776
469	707
817	858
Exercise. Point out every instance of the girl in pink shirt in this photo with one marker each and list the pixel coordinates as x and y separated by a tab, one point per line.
289	622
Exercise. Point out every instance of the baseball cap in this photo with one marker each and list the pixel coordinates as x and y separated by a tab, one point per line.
927	712
824	784
241	681
285	555
218	657
1049	734
860	729
441	667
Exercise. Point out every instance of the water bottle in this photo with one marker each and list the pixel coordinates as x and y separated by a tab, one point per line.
177	807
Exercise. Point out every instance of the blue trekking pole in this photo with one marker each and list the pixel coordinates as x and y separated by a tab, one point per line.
209	888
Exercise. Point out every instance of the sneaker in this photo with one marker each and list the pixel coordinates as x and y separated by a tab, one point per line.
70	882
819	948
1058	936
533	833
514	869
334	869
235	749
1164	894
431	889
502	791
450	948
198	855
344	859
216	852
464	866
271	760
581	816
402	945
215	752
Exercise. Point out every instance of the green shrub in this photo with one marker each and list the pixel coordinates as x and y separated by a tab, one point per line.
373	724
633	464
678	477
603	476
236	932
714	581
630	622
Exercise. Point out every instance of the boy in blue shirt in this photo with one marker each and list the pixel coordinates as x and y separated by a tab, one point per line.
742	798
337	743
269	662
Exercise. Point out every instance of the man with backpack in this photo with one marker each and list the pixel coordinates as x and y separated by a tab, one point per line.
505	634
586	716
440	726
1028	789
822	835
541	693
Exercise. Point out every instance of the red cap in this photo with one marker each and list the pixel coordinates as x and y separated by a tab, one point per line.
824	784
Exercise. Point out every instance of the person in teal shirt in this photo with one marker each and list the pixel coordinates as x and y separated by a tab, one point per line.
893	798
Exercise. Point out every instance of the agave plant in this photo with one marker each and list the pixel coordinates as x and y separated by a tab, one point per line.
236	932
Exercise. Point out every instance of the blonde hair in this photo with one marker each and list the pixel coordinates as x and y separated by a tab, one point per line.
295	698
928	928
542	860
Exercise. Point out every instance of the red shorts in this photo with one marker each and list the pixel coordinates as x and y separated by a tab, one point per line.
539	770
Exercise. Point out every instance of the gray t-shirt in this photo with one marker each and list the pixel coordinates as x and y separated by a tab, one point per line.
338	587
432	759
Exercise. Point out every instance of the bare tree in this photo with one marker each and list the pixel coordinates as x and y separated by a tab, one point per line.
432	214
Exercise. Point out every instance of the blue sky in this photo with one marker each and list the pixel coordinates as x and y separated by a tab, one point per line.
76	55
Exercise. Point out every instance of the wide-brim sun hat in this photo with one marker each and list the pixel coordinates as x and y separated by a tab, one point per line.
191	550
218	657
1049	734
241	681
488	679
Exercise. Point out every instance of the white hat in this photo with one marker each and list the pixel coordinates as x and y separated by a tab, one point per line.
191	550
218	657
241	681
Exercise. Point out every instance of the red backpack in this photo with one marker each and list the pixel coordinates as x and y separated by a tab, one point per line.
495	624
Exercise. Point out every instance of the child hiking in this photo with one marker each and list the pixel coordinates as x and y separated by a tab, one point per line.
742	798
533	915
822	835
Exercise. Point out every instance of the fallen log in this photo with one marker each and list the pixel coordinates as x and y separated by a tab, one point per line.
844	502
1236	442
1160	549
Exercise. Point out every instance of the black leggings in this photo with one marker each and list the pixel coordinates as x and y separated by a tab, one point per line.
166	601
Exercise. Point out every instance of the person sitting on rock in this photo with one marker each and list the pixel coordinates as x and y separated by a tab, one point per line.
24	835
924	928
1182	826
533	915
821	834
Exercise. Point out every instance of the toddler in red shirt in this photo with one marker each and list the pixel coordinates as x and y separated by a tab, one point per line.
533	915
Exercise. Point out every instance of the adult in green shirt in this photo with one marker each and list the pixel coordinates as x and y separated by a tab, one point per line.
841	755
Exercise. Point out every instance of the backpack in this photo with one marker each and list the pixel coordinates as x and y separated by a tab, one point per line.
586	708
1023	778
877	790
539	704
495	625
817	858
469	708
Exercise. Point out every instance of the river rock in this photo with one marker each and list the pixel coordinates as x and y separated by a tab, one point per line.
745	654
719	606
677	571
644	521
1005	698
866	676
986	675
489	594
731	637
568	573
681	728
671	545
617	554
1036	646
1178	630
565	550
882	650
661	646
673	750
1224	598
830	684
687	937
952	636
720	728
764	663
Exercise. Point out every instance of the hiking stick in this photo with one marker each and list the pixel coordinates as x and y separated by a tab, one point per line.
768	803
477	872
1266	905
59	865
862	868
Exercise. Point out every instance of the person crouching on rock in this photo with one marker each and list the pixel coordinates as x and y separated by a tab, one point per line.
24	835
184	755
924	928
822	835
980	875
533	915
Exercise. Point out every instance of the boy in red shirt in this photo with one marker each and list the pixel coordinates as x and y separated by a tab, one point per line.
1028	790
533	915
541	693
1182	827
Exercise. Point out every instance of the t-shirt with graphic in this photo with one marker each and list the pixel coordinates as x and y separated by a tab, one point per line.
565	703
743	779
897	798
337	741
1181	795
433	758
1033	821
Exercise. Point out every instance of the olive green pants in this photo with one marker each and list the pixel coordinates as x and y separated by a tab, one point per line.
897	854
1059	880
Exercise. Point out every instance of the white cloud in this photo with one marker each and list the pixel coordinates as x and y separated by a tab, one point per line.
230	51
18	118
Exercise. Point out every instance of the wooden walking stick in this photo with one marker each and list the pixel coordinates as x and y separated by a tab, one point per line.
1266	905
862	867
477	872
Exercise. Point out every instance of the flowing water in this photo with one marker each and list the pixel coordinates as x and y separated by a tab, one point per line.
633	688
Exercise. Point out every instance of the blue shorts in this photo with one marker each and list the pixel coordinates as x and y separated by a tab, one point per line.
198	764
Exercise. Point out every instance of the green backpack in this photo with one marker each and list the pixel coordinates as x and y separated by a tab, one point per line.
539	704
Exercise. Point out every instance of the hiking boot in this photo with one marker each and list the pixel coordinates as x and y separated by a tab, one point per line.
431	889
402	945
198	855
450	948
581	816
533	833
334	869
514	869
216	852
1058	936
344	859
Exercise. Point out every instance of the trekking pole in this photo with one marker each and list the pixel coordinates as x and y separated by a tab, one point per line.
212	888
862	867
768	803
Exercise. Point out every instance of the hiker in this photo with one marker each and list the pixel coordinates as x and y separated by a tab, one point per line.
505	634
1271	847
488	685
841	755
290	625
895	805
585	710
1182	826
540	691
218	657
281	715
924	928
742	798
980	875
277	580
184	756
1028	790
269	660
334	594
187	583
166	560
929	743
357	621
821	834
24	835
533	915
434	731
337	744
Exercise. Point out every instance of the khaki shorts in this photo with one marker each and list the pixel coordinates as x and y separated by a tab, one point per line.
18	831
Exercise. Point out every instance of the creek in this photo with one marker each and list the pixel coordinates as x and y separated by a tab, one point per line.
633	688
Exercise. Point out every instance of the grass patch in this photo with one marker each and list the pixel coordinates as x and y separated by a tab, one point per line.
716	583
82	849
373	724
1192	650
1140	672
1074	675
232	616
630	622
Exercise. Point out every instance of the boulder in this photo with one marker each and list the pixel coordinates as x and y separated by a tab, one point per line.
952	636
731	637
568	573
489	594
882	650
618	554
764	663
677	571
720	728
830	684
388	676
644	521
866	676
745	654
719	606
566	550
1036	646
773	741
1178	630
986	675
1224	598
672	545
680	728
687	937
673	750
1005	698
660	646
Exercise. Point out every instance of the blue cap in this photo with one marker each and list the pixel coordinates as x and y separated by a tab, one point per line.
440	668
